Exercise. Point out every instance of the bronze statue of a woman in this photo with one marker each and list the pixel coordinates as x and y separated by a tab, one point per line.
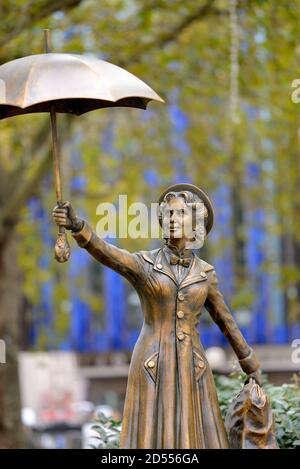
171	400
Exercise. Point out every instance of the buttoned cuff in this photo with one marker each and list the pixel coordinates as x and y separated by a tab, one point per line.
83	236
250	363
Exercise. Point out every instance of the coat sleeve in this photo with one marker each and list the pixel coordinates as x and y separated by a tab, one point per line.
221	315
130	265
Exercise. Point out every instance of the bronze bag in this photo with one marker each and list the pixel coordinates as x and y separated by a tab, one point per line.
249	421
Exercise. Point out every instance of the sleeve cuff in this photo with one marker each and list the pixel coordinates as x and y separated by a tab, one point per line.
250	363
83	236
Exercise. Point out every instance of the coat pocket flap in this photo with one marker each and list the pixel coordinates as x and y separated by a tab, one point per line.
151	364
199	364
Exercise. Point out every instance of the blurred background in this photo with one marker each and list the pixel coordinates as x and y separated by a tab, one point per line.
225	69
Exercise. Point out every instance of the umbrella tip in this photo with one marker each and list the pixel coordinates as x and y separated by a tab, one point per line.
47	39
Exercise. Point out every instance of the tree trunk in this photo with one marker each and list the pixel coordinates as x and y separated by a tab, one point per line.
11	435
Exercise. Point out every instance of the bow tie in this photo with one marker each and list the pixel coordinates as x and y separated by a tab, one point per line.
185	261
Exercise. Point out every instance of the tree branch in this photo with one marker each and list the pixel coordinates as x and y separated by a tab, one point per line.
170	36
207	9
9	29
185	23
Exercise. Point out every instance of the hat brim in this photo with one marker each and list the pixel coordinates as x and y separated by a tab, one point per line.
197	191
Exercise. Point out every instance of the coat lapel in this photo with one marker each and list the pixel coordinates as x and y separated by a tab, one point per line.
161	264
197	272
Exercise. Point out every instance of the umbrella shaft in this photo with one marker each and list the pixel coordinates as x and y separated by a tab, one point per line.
56	156
47	36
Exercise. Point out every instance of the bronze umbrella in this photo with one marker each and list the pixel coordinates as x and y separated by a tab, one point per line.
67	83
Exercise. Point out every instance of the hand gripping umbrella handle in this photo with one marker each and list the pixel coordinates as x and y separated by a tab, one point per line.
62	248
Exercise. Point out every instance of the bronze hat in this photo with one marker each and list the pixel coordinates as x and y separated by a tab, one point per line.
197	191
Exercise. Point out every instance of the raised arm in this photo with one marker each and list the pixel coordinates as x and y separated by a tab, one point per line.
130	265
221	315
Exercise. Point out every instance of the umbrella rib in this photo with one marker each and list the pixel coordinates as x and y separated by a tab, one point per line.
96	74
26	90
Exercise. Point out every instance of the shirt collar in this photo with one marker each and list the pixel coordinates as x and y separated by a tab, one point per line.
170	249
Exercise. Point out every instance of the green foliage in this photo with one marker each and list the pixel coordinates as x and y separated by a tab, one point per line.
285	402
108	432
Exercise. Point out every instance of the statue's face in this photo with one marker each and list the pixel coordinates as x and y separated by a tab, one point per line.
177	219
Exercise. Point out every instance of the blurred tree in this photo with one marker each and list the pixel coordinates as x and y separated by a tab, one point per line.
20	178
185	51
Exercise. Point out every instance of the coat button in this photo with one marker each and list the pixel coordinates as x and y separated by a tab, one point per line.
180	296
201	364
151	364
180	335
159	266
180	314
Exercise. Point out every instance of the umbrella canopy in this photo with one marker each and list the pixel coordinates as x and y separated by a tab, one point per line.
68	83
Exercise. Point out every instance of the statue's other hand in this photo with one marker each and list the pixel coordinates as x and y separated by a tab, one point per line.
65	215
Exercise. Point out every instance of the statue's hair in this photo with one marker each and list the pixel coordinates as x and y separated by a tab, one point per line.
191	200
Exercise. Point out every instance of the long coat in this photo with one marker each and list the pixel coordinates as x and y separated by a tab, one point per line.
171	400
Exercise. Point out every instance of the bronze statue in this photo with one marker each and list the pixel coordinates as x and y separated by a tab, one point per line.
171	400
